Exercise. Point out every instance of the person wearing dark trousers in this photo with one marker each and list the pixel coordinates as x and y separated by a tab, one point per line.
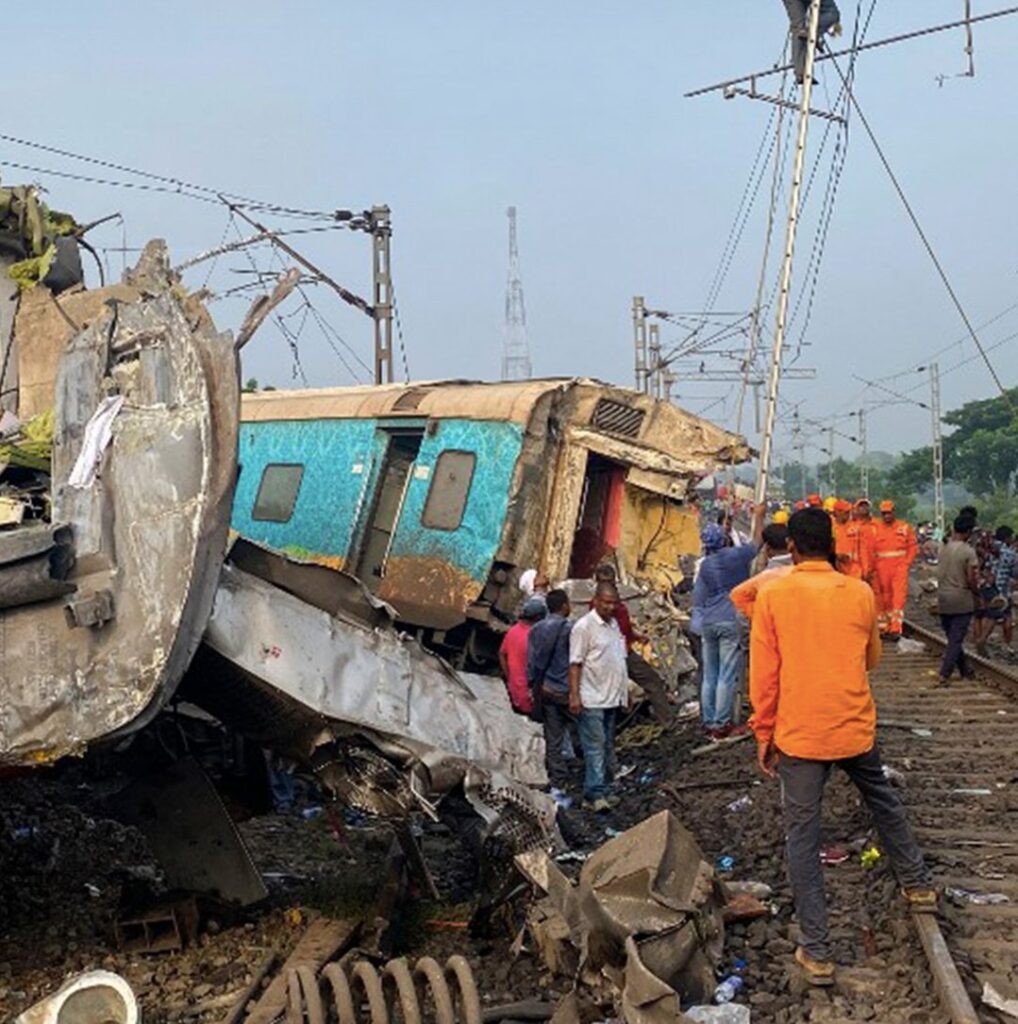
957	596
798	20
548	676
640	670
814	637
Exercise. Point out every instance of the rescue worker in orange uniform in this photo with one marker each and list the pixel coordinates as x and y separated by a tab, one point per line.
840	523
860	534
814	501
895	548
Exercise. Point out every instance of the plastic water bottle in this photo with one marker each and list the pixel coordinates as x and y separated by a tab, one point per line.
728	989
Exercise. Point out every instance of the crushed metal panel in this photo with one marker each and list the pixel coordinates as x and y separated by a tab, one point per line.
373	678
191	833
648	905
151	529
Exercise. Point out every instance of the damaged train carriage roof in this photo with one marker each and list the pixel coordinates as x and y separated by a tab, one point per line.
692	445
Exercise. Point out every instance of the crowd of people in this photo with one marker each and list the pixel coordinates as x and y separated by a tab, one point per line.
807	603
976	572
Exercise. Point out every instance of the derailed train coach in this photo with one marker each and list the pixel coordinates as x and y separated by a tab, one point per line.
437	496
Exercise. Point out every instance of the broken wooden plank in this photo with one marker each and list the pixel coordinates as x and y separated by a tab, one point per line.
324	939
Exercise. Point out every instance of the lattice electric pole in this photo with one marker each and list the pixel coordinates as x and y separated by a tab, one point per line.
655	368
515	350
381	233
640	343
938	448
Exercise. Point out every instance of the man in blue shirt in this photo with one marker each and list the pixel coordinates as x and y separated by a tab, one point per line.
715	618
548	676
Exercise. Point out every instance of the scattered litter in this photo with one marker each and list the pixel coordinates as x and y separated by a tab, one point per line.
572	856
893	776
93	890
625	771
991	874
974	791
98	434
23	833
725	864
1000	994
310	813
744	907
729	1013
728	989
612	833
761	890
691	709
907	646
741	804
646	778
924	734
869	857
980	899
832	855
1002	712
639	736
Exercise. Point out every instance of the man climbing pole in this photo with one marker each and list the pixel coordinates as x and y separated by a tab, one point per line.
798	20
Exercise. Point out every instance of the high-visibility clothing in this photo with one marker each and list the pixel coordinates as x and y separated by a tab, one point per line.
855	541
894	549
745	594
814	636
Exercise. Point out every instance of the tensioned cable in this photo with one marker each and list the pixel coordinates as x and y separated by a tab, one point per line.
178	184
926	242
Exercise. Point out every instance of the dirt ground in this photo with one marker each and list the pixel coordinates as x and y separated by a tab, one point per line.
65	871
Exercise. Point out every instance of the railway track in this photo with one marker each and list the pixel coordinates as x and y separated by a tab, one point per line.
955	747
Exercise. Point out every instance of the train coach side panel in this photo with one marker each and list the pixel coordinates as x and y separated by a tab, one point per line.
339	460
434	574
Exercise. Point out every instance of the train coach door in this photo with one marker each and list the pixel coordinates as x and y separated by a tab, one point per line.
393	479
598	523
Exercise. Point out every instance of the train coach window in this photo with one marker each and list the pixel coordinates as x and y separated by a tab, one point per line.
277	493
450	486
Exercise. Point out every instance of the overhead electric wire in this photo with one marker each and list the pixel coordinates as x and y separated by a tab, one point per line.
926	242
179	185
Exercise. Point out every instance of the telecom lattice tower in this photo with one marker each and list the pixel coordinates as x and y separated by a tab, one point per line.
515	351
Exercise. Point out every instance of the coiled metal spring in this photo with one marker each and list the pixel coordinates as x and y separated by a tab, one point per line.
340	993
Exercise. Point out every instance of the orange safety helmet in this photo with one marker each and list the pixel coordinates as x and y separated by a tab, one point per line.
814	501
842	506
887	506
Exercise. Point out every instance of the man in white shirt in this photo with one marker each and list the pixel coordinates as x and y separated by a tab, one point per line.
598	687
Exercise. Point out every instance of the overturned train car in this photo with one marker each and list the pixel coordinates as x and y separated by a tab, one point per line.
439	495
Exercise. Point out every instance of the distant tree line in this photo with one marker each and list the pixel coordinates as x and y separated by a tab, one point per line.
980	465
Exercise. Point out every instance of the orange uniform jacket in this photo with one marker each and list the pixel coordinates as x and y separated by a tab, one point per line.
859	538
745	594
892	538
814	638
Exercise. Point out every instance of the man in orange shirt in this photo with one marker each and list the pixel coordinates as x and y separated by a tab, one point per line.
813	639
895	549
778	564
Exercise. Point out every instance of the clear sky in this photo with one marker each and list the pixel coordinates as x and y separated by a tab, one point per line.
450	110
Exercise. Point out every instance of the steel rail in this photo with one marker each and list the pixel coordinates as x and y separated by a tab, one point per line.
950	988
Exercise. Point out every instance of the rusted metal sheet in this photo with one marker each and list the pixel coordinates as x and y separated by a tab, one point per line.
149	530
428	591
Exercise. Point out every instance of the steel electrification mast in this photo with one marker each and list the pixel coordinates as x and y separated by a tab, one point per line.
786	267
938	449
515	350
